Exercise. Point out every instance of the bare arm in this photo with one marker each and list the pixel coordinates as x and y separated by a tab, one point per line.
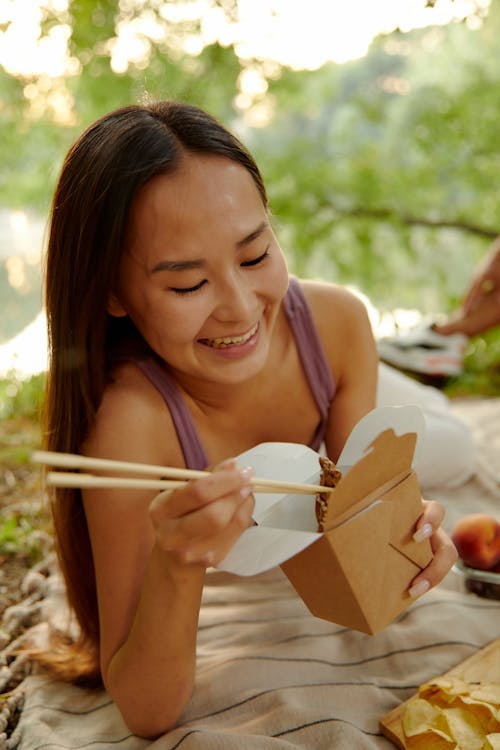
150	556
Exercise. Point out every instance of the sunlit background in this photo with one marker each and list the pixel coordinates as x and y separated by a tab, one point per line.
269	31
266	33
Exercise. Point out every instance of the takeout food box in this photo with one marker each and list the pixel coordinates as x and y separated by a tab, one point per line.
358	571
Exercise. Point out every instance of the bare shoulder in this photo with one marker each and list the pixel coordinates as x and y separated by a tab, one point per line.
324	294
338	313
133	422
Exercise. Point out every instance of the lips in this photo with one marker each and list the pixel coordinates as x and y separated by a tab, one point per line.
226	341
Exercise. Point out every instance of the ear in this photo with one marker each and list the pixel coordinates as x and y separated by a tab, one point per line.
115	307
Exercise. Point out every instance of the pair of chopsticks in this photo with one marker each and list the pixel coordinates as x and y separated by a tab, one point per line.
168	477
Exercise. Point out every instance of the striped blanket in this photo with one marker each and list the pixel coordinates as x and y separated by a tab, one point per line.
270	675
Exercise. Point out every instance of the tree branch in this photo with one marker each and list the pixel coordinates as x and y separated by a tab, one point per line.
387	214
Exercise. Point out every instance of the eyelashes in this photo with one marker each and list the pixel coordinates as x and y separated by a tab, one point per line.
256	261
181	291
188	290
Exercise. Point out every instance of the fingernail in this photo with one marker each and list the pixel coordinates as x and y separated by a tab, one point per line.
208	558
419	588
246	473
245	491
423	533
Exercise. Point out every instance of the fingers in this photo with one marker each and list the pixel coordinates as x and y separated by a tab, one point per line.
224	480
481	288
485	280
444	552
472	297
210	551
445	555
431	519
200	522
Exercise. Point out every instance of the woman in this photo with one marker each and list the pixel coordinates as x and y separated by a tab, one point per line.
177	338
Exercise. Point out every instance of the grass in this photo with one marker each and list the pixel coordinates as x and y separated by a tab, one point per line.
24	517
20	425
23	533
21	403
481	376
21	397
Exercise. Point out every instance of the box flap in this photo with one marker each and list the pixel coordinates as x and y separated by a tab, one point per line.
404	500
386	462
287	523
359	572
407	509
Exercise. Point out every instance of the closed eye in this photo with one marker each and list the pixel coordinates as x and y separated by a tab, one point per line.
188	290
255	261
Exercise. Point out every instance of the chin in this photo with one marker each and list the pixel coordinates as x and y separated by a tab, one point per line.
232	368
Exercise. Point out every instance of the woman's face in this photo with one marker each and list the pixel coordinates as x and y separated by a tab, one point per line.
203	275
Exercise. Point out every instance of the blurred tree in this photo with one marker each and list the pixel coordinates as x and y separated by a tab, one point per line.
387	168
382	168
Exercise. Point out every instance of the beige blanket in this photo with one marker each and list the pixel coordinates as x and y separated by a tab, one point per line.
270	675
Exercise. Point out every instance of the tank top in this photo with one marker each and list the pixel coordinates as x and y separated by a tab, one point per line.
313	360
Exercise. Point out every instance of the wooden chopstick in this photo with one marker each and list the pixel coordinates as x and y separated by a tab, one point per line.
77	479
75	461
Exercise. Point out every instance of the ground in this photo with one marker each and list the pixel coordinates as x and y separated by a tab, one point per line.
24	515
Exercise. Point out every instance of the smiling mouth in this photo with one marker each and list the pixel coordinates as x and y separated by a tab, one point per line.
221	343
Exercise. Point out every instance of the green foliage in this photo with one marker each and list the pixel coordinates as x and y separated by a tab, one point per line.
19	534
393	177
32	146
481	375
21	398
381	172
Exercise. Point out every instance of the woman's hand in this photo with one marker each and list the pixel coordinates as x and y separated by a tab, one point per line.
199	523
445	554
485	280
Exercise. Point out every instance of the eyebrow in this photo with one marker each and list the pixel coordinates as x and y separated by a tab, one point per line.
253	235
187	265
176	265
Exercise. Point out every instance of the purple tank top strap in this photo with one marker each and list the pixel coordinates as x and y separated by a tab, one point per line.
189	440
312	355
313	361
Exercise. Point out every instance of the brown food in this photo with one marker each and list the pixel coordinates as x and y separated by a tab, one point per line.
330	477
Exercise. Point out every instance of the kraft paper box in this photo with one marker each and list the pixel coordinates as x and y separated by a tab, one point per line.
357	572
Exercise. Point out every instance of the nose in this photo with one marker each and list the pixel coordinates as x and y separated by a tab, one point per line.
235	301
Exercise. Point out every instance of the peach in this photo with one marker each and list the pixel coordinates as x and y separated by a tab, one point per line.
477	539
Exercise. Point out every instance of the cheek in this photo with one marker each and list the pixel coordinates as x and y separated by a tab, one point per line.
181	320
278	279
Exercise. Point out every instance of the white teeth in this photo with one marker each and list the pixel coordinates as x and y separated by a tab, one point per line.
231	340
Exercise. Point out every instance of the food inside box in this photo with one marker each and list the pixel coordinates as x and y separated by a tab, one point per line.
356	570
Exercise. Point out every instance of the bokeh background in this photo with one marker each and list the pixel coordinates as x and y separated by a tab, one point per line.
375	123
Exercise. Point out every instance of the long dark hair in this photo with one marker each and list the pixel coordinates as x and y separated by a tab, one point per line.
101	175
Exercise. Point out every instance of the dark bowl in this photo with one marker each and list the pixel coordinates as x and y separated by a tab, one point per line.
484	583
